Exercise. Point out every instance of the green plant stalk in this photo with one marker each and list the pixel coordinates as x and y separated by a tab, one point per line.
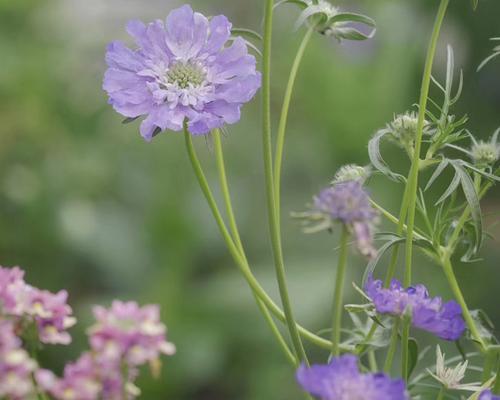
452	281
391	351
339	291
274	226
441	393
280	139
496	386
372	361
219	154
405	336
413	178
489	363
241	263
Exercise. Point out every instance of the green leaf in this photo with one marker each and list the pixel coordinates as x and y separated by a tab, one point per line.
246	34
440	168
450	190
380	252
474	4
473	201
412	355
300	3
376	158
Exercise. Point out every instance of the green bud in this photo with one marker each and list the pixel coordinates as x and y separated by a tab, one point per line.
351	172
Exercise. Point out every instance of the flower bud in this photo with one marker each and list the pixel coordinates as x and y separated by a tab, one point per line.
351	172
485	153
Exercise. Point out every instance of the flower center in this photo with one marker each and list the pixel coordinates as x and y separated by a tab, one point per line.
186	74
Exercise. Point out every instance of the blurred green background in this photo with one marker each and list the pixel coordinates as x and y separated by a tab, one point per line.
87	205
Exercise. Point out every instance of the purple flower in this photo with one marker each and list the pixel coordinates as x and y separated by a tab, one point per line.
129	333
16	366
183	69
348	203
487	395
79	381
430	314
341	379
49	311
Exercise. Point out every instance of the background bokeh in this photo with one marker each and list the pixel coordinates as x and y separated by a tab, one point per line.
87	205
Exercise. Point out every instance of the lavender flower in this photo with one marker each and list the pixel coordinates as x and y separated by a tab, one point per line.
129	333
183	69
79	381
16	366
487	395
341	379
49	311
348	203
430	314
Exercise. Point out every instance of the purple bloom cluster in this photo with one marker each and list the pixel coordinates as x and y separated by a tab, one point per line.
16	367
487	395
347	202
124	337
49	311
182	69
430	314
341	380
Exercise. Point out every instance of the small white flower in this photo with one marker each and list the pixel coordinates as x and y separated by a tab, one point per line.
451	377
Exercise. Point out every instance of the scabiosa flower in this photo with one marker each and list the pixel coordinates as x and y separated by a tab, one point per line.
126	332
347	203
487	395
342	380
16	367
485	154
185	68
430	314
403	129
12	290
79	381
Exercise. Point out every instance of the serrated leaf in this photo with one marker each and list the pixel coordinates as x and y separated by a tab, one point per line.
473	201
300	3
451	189
376	158
412	355
246	33
438	171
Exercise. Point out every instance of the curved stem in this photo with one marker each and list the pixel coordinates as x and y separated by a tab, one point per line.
280	139
219	155
452	281
241	263
339	289
413	178
268	172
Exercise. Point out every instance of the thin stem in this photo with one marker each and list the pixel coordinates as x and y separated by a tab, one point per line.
413	178
339	289
280	139
391	351
441	393
268	172
372	361
241	263
405	336
496	386
452	281
489	362
236	237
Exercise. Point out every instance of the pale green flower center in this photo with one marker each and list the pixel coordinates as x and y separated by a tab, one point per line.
186	74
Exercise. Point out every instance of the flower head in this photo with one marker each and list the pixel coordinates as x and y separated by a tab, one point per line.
341	380
183	69
430	314
485	154
351	172
403	129
487	395
128	333
451	378
348	203
50	312
16	366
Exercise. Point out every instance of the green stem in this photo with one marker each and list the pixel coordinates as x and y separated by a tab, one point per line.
452	281
280	139
268	171
496	386
391	351
405	336
219	154
339	289
413	178
372	361
489	363
441	393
